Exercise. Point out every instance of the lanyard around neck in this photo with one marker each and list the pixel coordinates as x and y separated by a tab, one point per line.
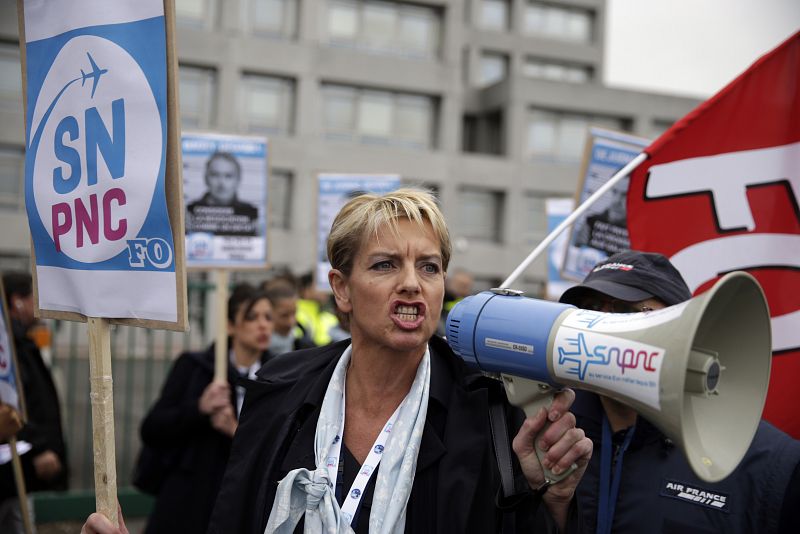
353	497
609	486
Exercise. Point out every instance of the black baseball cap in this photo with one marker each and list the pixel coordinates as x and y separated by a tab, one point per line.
632	276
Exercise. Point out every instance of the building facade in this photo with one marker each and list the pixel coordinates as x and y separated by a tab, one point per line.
487	102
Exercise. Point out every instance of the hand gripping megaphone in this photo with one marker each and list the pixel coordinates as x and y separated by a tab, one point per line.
698	370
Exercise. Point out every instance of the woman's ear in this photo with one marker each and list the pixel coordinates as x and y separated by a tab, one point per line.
341	291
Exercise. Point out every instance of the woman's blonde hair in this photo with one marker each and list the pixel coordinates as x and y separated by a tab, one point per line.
365	214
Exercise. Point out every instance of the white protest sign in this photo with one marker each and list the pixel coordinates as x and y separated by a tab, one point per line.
96	160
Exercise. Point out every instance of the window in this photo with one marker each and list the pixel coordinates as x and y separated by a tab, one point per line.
418	31
493	68
558	22
561	136
379	21
280	199
197	88
385	27
556	71
11	176
480	213
381	117
10	77
414	120
340	111
267	104
484	133
273	18
342	20
493	15
659	126
535	218
375	115
198	14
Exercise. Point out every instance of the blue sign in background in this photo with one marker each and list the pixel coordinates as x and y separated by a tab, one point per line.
334	192
145	42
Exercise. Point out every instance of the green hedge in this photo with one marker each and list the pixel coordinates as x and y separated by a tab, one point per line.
77	505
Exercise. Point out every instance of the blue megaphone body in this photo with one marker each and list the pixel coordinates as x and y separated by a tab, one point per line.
511	336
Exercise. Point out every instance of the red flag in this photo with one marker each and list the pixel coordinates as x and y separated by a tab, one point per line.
720	192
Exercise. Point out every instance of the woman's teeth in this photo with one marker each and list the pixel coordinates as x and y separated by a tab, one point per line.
407	313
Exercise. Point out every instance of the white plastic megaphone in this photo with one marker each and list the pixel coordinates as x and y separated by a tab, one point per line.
698	370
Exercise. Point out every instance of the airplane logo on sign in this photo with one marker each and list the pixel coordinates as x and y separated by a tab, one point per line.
94	75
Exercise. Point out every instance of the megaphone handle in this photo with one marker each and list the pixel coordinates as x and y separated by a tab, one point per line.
532	396
532	409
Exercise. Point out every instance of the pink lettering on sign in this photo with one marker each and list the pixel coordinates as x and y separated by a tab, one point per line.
87	221
630	359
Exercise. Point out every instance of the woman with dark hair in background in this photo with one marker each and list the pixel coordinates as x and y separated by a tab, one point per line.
190	428
288	335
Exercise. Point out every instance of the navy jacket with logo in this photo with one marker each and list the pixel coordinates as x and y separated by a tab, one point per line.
762	495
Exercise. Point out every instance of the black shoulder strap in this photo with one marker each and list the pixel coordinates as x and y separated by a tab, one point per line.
502	446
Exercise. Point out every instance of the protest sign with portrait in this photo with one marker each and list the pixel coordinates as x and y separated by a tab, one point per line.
225	190
603	229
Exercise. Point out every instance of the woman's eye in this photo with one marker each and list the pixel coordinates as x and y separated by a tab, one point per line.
382	265
430	268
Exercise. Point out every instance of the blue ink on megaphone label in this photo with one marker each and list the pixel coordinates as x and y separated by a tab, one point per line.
627	367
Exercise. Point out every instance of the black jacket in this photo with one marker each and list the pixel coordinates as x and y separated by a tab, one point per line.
660	493
456	480
199	452
43	428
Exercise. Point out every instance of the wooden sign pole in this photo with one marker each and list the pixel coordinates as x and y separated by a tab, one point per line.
221	341
102	397
19	479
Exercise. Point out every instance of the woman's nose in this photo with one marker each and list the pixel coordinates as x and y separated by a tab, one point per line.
409	281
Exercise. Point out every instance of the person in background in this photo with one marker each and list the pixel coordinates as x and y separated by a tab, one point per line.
287	335
10	512
10	423
313	313
457	285
192	423
43	428
45	464
656	490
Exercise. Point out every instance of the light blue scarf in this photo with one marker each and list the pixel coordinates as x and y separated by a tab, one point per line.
311	492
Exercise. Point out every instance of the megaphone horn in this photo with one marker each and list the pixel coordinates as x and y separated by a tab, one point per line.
698	370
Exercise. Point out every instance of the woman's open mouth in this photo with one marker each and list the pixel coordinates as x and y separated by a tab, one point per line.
408	316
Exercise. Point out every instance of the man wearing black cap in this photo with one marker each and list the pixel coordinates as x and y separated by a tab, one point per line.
637	480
